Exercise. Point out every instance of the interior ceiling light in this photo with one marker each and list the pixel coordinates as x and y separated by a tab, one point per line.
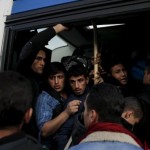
105	25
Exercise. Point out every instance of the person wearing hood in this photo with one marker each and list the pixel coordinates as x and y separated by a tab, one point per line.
34	56
34	59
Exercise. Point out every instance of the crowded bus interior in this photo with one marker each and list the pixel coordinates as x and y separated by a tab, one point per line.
100	38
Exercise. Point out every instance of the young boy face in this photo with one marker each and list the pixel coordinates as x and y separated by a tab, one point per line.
119	73
57	81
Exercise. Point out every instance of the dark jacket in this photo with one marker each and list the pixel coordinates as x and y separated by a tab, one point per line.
19	141
127	90
67	128
142	129
29	52
27	56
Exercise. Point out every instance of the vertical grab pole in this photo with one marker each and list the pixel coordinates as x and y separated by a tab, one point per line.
95	51
97	66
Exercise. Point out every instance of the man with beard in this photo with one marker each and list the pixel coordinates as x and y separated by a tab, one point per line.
34	56
49	113
103	108
33	59
78	80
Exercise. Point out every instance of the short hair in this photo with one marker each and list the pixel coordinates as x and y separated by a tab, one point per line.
107	101
77	70
54	68
16	96
113	61
132	103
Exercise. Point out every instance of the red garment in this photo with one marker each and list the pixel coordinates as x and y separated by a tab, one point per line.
112	127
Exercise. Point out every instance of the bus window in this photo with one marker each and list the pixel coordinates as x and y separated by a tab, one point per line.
124	34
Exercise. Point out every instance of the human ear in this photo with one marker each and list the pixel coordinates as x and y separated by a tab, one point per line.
28	115
127	114
93	116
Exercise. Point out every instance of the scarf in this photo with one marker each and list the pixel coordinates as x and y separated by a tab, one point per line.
112	127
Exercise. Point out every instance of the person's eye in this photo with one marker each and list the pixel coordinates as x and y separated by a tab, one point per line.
38	58
81	80
60	77
117	71
72	82
51	77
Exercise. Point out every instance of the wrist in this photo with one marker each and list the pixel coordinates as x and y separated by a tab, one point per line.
66	113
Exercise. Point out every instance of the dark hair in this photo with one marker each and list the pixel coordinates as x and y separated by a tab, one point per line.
114	63
107	101
77	70
132	103
15	98
27	57
111	61
54	68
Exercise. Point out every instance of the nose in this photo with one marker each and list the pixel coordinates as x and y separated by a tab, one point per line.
123	73
56	80
76	84
42	62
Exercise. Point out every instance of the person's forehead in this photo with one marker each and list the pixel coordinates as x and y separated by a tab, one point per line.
58	74
117	66
76	77
41	53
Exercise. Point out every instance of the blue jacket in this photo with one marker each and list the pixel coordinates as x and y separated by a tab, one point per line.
105	140
105	145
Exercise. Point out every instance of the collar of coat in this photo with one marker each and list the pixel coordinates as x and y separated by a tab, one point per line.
114	132
110	136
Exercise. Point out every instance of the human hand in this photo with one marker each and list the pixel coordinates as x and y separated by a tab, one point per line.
97	78
96	60
59	28
73	107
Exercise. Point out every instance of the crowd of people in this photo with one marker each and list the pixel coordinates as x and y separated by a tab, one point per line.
60	109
